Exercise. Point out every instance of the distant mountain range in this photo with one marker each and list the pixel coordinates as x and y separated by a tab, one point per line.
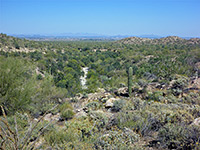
79	36
10	43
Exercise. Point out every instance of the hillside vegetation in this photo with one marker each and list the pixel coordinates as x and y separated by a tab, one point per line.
141	94
170	40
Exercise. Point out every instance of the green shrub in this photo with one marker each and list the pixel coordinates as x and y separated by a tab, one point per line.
118	105
142	122
17	84
39	77
117	139
177	136
192	98
65	106
66	111
172	99
93	105
180	116
56	137
76	135
67	114
156	96
80	145
152	117
47	95
80	129
179	85
100	118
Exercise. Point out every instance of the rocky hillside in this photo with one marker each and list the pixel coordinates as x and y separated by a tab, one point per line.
148	120
161	41
12	44
136	97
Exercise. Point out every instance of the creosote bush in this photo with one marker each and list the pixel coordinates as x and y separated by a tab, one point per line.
66	111
178	136
56	137
118	105
117	139
67	114
93	105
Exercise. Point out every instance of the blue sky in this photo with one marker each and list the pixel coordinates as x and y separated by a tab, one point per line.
110	17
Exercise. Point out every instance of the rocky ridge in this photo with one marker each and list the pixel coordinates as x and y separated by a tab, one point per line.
162	41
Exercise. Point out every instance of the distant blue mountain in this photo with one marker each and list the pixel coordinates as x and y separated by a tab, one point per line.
83	35
150	36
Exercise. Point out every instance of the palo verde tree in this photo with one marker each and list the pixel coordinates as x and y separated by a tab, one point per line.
17	84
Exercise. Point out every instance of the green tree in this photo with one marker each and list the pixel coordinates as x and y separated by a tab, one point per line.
16	84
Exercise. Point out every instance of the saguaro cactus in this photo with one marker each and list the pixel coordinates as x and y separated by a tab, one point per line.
130	81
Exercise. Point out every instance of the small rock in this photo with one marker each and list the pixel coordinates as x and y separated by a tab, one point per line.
39	143
50	117
109	102
35	119
80	114
196	122
122	92
47	117
101	90
59	100
86	109
56	117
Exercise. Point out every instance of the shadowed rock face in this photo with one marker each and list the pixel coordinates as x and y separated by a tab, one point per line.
166	40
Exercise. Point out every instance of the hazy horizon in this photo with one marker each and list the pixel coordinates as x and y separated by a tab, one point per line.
95	35
104	17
